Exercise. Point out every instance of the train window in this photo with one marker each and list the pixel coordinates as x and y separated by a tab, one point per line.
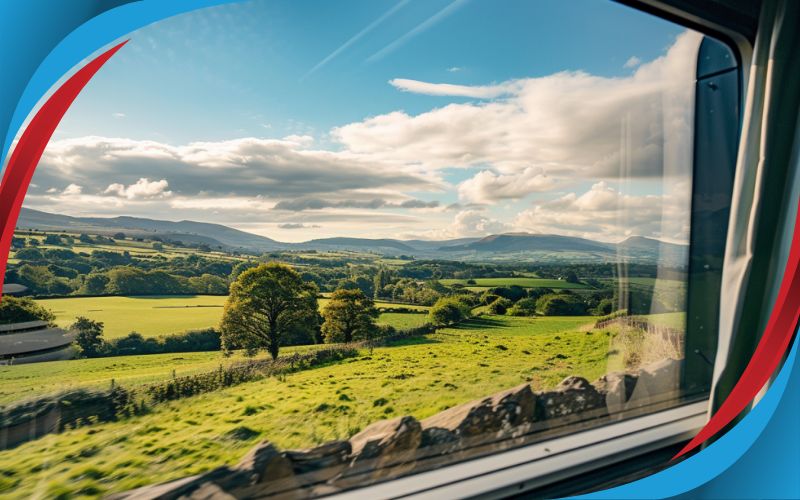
292	246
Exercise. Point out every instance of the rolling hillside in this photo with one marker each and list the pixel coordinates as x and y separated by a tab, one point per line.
508	246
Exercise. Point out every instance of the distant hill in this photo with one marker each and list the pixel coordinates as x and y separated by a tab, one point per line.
363	244
500	247
184	231
524	242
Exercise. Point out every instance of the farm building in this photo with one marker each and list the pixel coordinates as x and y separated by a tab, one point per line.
32	341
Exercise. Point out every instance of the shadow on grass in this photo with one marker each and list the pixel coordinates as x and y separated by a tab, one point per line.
412	341
481	322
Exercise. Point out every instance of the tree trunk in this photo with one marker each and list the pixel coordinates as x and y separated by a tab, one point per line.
274	344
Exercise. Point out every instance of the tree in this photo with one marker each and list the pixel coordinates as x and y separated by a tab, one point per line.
18	310
349	315
265	302
52	239
561	305
89	337
85	238
571	277
119	236
448	311
94	284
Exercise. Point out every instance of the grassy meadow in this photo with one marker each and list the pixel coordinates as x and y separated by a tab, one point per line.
154	316
418	377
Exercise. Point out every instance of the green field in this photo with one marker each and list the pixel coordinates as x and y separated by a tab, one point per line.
163	315
418	377
29	381
150	316
523	282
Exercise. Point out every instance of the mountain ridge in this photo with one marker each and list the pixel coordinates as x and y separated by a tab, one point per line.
527	245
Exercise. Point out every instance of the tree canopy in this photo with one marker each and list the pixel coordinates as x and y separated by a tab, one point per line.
19	310
265	304
350	315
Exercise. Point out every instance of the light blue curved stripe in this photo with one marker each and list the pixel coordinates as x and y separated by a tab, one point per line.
96	33
709	463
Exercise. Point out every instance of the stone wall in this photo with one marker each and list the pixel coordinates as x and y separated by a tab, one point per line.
402	445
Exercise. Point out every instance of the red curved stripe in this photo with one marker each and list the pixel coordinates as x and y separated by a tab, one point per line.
768	353
31	145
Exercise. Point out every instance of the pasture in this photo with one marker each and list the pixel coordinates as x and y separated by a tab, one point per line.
418	377
151	316
154	316
525	282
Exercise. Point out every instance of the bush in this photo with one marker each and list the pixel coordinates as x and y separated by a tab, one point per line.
523	307
500	306
192	341
604	307
18	310
561	305
449	311
512	293
488	297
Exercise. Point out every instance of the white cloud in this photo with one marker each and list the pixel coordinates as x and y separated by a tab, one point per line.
466	223
605	213
282	168
514	138
632	62
141	189
454	69
448	89
570	124
72	190
489	187
119	116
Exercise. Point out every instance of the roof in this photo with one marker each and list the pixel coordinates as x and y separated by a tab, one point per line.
25	325
14	344
13	288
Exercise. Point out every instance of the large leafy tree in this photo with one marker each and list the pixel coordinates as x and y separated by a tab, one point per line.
89	336
265	304
349	315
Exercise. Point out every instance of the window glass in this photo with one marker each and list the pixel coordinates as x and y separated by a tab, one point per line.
282	245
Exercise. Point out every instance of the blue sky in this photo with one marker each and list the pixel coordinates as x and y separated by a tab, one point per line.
356	87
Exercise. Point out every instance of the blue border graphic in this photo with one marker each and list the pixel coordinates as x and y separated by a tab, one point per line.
45	39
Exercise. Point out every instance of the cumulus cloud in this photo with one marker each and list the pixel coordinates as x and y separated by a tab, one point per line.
72	190
605	213
512	138
245	167
141	189
569	123
488	187
466	223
